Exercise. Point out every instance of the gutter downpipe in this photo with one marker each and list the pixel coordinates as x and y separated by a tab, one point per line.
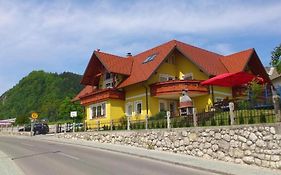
146	102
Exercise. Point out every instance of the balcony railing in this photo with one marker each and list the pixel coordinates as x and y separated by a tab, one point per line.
102	95
176	87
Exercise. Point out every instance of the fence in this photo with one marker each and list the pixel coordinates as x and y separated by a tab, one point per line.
214	118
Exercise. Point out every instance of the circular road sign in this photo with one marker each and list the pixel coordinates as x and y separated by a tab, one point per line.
34	115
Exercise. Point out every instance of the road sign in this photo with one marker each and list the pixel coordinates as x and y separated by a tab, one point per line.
73	114
34	115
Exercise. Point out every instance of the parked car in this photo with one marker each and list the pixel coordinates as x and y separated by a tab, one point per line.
26	127
40	128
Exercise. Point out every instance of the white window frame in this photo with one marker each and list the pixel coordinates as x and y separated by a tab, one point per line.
103	110
127	108
166	76
190	74
136	105
108	81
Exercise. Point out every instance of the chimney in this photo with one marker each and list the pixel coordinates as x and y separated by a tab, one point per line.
129	54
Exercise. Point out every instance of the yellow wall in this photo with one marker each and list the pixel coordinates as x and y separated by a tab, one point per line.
116	109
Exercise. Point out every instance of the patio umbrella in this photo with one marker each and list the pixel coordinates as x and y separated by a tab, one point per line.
232	79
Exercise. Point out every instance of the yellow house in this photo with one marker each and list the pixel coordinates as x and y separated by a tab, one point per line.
152	81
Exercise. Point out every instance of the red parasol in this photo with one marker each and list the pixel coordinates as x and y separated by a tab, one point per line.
232	79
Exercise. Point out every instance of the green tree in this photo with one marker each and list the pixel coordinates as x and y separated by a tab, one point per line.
40	92
275	58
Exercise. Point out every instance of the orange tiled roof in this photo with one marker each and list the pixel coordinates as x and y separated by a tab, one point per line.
115	64
236	62
209	62
86	90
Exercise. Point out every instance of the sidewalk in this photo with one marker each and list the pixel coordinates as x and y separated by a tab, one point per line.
7	166
215	166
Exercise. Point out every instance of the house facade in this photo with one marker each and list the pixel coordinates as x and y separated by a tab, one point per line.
152	81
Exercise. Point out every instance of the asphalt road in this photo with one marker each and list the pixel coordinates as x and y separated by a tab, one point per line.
37	157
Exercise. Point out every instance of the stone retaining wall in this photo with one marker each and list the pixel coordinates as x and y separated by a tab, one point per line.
258	145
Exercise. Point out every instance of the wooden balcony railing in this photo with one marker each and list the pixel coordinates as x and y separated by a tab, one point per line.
176	87
102	95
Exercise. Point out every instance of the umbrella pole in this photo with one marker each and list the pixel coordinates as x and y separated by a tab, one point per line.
212	92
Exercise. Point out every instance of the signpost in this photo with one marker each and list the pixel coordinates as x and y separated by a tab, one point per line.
73	114
34	116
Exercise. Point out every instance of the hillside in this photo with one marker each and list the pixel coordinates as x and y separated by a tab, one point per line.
48	94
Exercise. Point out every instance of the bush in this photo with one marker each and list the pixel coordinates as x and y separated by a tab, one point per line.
262	118
213	122
241	118
251	119
159	115
243	105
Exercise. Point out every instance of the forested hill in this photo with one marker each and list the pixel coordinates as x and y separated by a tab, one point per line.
49	94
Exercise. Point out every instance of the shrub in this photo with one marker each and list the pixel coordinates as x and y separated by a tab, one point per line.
262	118
251	119
241	118
213	122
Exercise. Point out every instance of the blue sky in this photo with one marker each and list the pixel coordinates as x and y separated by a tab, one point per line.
58	36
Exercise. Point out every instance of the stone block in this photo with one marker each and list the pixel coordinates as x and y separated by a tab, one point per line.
253	137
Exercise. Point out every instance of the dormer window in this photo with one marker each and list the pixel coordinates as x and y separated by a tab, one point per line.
108	80
108	76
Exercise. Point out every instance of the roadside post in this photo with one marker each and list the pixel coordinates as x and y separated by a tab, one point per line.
34	116
128	123
168	113
195	120
73	114
231	113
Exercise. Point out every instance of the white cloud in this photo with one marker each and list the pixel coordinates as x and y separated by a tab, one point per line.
50	34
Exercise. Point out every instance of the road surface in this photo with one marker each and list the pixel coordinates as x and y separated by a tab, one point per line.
41	157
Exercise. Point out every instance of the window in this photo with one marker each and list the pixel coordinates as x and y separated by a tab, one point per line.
108	80
107	76
98	110
149	58
129	109
165	77
188	76
94	110
162	105
103	109
138	106
108	85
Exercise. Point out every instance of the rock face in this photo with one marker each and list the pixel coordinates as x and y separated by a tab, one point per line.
258	145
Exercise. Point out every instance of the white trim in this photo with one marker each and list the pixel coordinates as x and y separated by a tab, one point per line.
167	76
222	93
137	96
126	108
190	74
102	111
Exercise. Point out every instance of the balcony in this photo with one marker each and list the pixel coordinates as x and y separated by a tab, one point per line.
102	95
173	88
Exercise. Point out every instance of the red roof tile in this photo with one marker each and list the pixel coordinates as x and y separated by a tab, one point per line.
86	90
207	61
115	64
236	62
137	71
142	71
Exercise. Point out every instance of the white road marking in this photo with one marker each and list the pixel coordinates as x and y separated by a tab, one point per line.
69	156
